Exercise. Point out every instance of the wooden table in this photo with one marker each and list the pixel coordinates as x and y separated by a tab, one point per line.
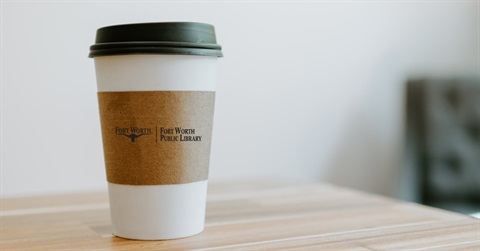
243	216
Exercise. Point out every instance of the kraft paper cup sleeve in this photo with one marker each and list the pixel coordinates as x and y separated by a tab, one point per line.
156	137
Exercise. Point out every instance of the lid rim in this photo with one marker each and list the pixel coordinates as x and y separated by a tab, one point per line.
155	50
100	46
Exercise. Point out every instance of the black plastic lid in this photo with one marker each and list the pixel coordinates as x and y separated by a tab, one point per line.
184	38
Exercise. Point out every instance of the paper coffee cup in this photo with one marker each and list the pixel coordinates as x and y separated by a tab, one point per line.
156	93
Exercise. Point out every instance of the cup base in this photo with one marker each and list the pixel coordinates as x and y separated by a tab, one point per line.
158	212
156	239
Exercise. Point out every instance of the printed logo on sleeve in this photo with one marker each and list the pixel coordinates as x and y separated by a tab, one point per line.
133	132
178	134
162	134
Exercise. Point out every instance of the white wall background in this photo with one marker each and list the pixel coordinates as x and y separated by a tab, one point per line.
309	91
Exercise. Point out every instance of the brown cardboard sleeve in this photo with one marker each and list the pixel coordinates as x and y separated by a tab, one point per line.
156	137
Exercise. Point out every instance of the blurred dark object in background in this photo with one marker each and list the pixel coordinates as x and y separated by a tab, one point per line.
443	143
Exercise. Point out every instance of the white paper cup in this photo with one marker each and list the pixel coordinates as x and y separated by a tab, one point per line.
155	211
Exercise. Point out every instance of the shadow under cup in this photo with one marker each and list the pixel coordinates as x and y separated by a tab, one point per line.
156	94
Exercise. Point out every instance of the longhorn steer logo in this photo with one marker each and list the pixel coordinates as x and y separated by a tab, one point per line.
133	133
132	136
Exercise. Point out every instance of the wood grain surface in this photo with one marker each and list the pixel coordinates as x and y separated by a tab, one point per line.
248	216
